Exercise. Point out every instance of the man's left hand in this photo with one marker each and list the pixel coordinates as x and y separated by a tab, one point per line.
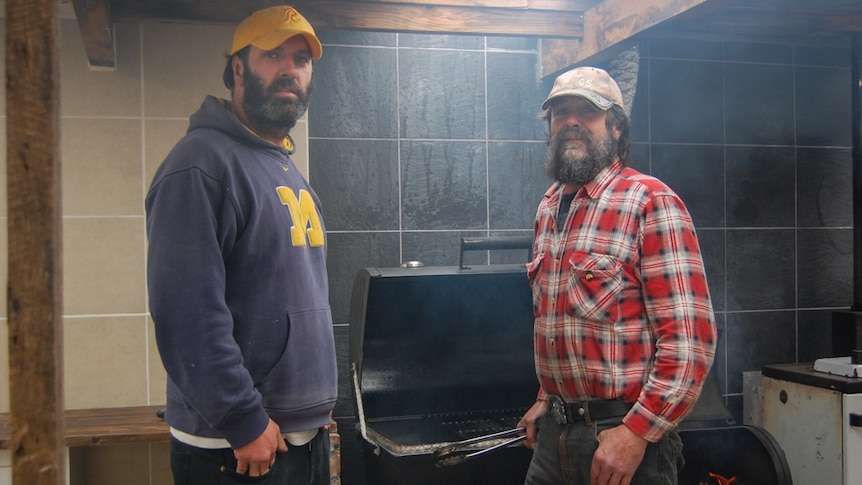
618	456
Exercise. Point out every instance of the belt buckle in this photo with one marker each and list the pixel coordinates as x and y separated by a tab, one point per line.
558	411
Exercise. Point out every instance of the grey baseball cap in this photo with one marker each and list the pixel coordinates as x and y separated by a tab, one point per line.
590	83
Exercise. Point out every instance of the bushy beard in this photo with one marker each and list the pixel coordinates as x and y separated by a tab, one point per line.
268	112
568	166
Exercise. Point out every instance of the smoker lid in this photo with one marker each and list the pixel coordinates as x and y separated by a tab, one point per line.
441	339
439	342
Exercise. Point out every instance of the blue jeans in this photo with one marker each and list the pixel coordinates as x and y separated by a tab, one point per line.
564	455
301	465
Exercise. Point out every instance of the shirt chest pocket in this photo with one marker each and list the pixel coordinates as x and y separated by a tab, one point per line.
594	287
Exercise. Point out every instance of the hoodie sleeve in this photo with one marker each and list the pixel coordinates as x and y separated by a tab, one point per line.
191	223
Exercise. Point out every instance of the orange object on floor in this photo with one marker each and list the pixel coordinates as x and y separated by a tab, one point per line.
721	480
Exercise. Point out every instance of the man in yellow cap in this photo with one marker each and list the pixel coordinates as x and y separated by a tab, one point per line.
237	276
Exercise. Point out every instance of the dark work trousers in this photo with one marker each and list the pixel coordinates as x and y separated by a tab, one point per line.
564	455
300	465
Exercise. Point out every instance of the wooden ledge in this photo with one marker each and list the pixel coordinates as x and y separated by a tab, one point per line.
104	426
114	426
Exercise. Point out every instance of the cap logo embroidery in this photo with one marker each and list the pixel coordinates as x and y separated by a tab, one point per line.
588	83
290	16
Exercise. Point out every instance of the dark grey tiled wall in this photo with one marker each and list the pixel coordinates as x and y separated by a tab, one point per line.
418	140
755	137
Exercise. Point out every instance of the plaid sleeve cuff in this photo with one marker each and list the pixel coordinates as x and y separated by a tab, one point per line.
543	396
647	425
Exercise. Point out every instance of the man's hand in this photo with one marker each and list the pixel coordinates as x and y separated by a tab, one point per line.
529	421
258	456
619	454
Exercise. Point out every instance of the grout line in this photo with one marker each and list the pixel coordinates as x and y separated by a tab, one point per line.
398	141
487	149
144	187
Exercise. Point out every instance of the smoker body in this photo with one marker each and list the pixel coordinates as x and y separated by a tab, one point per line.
749	453
439	355
713	442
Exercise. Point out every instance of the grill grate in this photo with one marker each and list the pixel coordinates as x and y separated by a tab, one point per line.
466	429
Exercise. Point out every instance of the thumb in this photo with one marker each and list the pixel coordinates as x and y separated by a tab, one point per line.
282	445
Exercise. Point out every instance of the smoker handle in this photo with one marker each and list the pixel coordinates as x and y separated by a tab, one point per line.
360	409
491	243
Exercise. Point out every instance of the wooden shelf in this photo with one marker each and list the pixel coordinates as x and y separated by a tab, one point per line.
105	426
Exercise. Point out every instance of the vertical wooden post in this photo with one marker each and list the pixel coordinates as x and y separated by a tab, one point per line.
34	229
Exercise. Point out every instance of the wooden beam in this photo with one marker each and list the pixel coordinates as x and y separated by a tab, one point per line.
791	18
94	21
571	5
34	290
457	3
610	26
558	54
614	21
376	16
579	5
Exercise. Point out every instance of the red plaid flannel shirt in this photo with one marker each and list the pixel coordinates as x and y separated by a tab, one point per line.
621	300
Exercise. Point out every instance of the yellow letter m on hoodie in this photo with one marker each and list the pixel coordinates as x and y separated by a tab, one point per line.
306	221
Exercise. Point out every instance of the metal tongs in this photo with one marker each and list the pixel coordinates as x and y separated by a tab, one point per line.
447	455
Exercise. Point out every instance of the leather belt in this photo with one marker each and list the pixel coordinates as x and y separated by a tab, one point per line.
586	411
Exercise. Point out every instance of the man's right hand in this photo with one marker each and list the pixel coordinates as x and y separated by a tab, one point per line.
258	456
529	421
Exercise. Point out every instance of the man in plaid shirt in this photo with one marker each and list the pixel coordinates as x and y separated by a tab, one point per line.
624	329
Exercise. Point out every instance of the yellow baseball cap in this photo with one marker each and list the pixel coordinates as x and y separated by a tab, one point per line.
266	29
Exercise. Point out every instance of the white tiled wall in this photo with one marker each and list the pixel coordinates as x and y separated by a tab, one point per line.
5	468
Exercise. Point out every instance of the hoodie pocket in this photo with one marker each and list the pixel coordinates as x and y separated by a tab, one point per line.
305	376
594	287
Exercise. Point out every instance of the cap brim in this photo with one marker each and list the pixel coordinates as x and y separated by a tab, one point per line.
600	102
274	39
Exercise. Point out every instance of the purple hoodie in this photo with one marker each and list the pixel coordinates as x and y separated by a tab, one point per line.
237	283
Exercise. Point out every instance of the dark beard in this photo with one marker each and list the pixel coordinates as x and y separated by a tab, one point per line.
578	169
268	113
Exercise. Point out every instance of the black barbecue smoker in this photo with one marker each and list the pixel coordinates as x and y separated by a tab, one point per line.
440	355
444	354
